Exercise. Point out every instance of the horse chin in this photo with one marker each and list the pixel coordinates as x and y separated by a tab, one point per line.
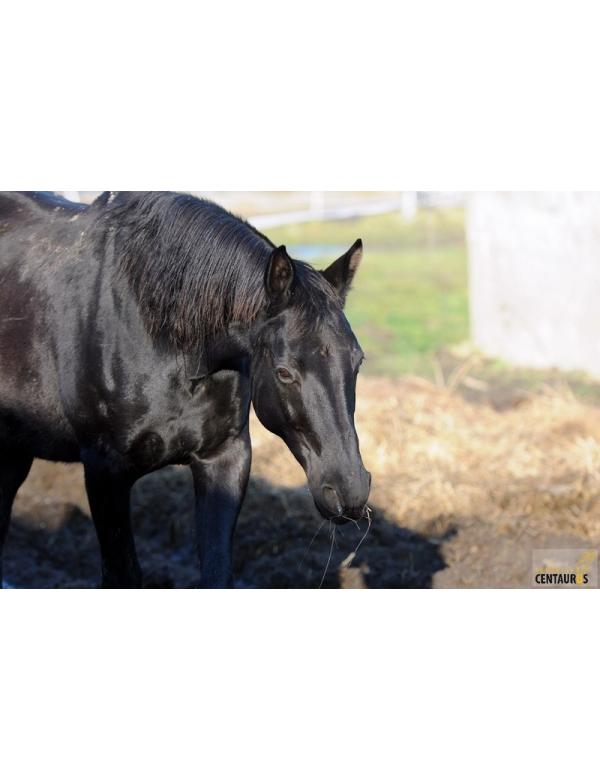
340	520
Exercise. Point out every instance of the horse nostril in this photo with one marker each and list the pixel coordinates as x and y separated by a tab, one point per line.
332	499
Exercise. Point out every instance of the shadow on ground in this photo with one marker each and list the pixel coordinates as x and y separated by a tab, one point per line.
278	543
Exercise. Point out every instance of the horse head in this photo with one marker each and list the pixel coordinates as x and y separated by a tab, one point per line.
305	363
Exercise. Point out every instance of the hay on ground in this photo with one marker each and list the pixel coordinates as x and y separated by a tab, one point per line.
431	453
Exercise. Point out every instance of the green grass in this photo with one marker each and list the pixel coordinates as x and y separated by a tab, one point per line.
499	382
410	295
430	227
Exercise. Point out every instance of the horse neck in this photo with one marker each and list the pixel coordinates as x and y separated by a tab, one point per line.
226	351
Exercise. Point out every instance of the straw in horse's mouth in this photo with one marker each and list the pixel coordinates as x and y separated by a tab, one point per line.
348	560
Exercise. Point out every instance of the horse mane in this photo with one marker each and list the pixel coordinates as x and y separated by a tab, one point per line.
194	268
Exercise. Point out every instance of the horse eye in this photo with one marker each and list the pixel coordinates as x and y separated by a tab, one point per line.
284	375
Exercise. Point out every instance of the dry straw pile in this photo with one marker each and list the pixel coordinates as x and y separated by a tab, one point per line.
436	457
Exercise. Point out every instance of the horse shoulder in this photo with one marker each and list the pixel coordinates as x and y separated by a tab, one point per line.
224	405
199	419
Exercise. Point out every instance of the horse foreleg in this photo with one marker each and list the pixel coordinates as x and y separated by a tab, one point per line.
220	484
108	495
13	472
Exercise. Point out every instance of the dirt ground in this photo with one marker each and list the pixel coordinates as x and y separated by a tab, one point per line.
462	494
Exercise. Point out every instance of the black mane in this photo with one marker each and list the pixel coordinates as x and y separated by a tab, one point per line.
194	267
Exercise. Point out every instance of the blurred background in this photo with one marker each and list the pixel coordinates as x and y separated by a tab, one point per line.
478	405
513	275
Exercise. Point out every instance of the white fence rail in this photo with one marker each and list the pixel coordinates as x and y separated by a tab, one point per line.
269	209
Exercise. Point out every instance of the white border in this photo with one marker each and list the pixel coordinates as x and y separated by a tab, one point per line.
271	684
324	95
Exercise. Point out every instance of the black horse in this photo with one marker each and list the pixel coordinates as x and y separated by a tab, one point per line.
135	333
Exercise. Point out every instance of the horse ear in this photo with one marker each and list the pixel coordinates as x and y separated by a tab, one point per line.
341	272
279	276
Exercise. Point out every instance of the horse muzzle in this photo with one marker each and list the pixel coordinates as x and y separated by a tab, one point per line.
343	500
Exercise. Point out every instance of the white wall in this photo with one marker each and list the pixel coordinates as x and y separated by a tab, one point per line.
535	277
